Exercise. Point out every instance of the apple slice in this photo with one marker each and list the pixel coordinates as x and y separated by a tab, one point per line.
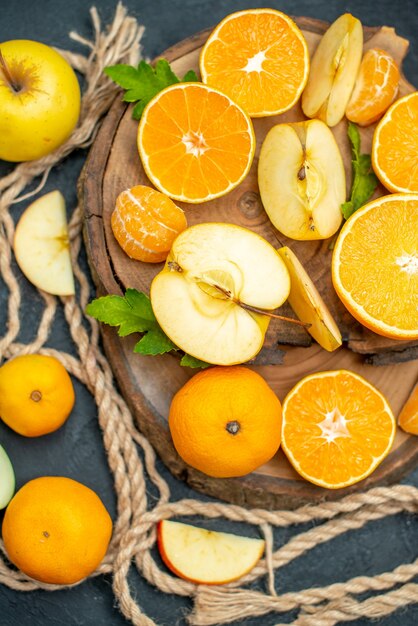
206	556
218	286
7	479
41	245
333	72
302	180
308	305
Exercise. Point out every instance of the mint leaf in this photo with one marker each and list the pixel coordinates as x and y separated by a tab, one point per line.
190	361
141	84
364	179
154	342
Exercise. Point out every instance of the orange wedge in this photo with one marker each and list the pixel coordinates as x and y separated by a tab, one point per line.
258	57
337	428
375	266
195	143
408	417
375	88
395	145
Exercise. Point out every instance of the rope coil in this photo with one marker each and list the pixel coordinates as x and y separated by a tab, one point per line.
135	527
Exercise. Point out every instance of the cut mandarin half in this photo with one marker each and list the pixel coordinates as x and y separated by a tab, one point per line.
395	145
375	266
337	428
145	223
258	57
375	88
195	143
408	417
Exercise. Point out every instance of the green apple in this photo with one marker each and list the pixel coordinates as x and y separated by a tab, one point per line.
215	293
7	479
334	69
306	302
302	180
39	100
41	245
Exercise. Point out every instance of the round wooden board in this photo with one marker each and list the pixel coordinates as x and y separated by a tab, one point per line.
149	383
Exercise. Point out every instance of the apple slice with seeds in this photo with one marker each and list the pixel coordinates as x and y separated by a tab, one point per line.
41	245
206	556
308	305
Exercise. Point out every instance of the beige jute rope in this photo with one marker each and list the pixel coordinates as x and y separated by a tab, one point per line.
134	529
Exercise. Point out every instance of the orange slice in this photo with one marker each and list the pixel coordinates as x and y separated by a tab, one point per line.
408	417
375	266
195	143
337	428
258	57
145	223
375	89
395	145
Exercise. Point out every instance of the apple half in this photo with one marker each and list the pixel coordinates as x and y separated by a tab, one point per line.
7	479
301	178
215	292
308	304
41	245
334	69
206	556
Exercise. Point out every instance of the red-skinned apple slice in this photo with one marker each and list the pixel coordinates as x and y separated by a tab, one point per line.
206	556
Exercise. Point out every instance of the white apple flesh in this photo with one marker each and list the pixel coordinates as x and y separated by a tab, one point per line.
308	304
7	479
302	180
41	245
206	556
213	272
334	69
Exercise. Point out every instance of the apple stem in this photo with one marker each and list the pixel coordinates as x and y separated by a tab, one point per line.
3	65
254	309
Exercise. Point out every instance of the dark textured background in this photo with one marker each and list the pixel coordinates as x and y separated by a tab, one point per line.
76	449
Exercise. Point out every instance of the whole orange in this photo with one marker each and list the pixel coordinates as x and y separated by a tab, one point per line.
56	530
36	394
226	421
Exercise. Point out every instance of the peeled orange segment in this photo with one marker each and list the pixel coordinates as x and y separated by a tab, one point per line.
375	266
408	417
375	88
206	556
395	145
337	428
195	143
145	223
258	57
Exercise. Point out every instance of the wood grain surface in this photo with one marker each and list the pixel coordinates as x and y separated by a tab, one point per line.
149	383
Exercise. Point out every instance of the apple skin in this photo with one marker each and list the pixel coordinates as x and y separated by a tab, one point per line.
7	479
161	541
41	115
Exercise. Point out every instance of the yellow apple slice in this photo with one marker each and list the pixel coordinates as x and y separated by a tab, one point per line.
308	305
7	479
333	72
302	180
208	297
41	245
206	556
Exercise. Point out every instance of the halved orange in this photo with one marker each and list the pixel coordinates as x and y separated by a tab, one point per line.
375	266
375	89
337	428
395	145
195	143
258	57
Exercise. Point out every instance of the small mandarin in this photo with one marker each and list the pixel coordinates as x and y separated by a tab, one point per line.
145	223
225	421
36	394
56	530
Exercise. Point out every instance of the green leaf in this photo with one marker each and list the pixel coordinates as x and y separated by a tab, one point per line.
190	77
190	361
154	342
364	179
141	84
